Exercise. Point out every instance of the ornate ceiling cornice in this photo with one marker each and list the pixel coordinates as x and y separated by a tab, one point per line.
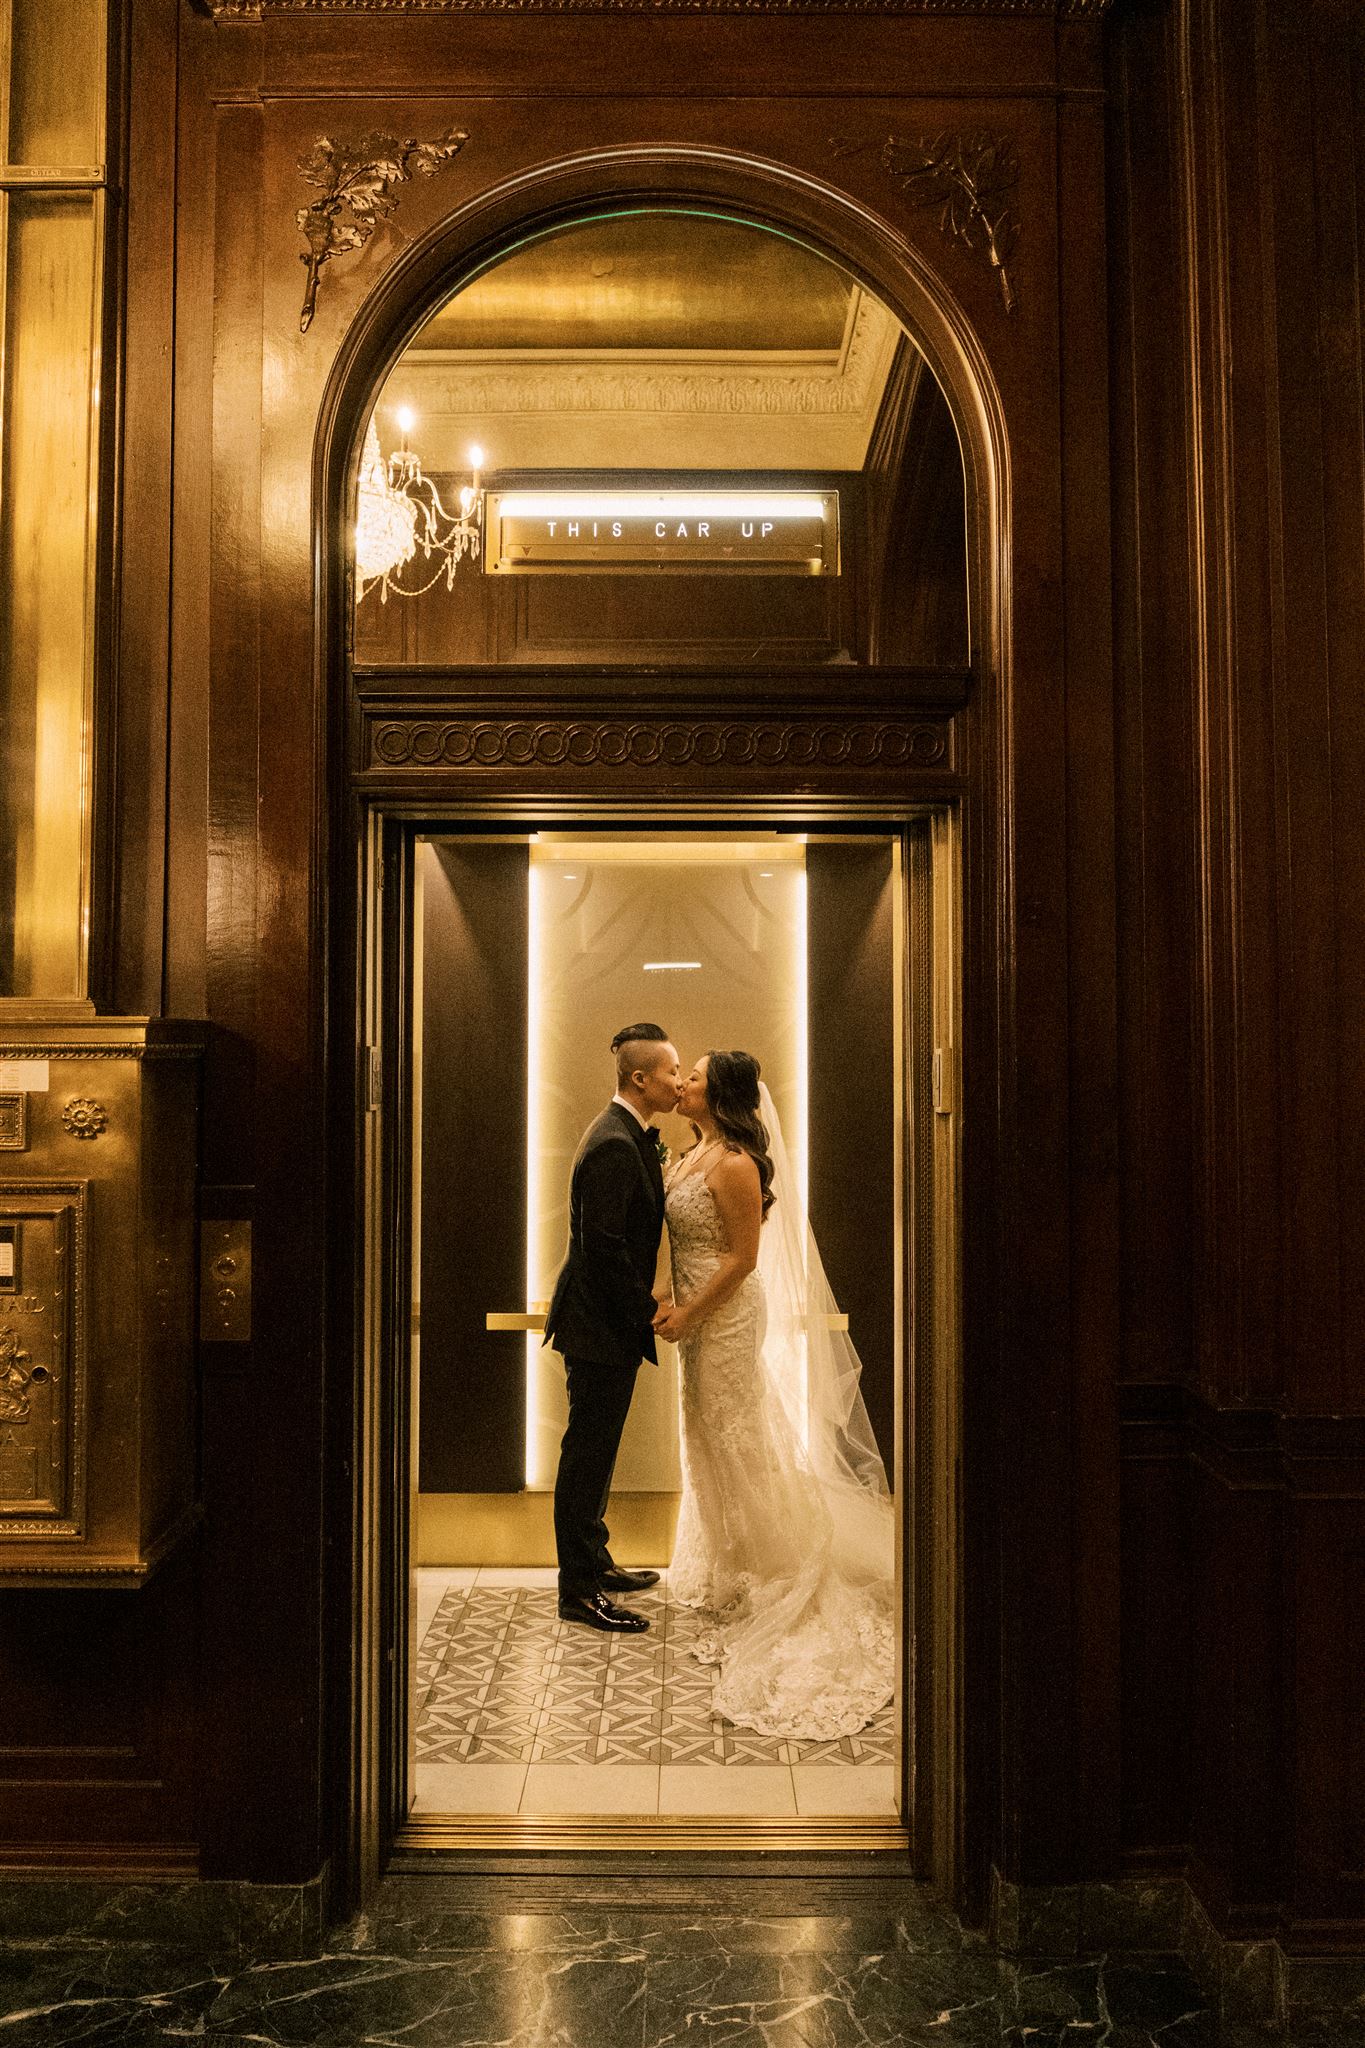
630	383
257	10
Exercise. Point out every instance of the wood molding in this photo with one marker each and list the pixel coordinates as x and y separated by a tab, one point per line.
1057	10
417	743
824	689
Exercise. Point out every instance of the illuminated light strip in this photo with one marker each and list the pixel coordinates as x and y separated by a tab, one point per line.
658	504
671	966
802	1131
533	999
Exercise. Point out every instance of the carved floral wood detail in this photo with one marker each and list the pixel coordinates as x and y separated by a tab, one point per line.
357	181
969	178
656	743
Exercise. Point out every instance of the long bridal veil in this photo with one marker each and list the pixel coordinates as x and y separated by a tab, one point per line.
813	1365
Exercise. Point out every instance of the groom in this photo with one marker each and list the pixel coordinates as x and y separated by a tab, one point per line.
601	1315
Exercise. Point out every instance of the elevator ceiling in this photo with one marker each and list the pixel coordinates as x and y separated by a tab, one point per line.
651	341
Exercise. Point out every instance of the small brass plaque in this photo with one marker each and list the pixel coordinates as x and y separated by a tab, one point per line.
225	1283
768	533
13	1123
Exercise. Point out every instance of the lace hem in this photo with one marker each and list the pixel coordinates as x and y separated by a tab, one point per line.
832	1687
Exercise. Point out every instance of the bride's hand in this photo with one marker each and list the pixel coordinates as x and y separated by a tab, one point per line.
672	1322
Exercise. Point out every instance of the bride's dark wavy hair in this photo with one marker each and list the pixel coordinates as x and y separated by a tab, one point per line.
732	1098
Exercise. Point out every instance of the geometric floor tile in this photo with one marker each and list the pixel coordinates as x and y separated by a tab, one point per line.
500	1680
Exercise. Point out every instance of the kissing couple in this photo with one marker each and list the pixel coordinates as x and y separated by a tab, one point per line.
785	1538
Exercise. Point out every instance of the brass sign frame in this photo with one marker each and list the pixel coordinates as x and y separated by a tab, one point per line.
661	533
63	1203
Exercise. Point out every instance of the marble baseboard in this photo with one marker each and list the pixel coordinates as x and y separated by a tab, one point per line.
1253	1984
227	1920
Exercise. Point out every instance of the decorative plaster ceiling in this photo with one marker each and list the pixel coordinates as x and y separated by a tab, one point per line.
650	341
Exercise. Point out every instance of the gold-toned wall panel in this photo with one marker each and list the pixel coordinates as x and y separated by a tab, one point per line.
515	1529
48	289
97	1295
54	116
42	1359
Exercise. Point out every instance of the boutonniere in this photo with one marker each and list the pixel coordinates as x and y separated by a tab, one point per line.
665	1155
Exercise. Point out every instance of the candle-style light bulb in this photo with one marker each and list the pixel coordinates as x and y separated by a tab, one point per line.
407	420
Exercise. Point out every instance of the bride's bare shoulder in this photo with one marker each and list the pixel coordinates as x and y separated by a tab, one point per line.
736	1166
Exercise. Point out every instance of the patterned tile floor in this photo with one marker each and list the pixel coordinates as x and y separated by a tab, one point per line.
520	1712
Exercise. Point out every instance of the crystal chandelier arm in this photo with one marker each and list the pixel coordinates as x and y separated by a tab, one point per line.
399	510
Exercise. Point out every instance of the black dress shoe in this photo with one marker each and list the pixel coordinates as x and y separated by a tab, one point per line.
619	1580
594	1610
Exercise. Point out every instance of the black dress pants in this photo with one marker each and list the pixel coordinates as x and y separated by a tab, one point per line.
599	1400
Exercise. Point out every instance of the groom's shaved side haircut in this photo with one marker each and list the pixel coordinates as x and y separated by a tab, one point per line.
631	1047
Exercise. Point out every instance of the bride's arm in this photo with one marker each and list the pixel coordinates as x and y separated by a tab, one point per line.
735	1186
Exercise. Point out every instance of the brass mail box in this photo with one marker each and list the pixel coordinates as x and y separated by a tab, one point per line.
97	1298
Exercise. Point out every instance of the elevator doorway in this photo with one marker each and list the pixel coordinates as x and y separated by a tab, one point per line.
661	498
524	951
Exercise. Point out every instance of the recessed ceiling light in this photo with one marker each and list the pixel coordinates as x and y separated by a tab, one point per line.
671	966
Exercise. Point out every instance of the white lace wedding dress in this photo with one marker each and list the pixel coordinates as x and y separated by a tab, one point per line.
786	1549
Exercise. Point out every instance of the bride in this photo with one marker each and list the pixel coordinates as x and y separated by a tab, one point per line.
785	1535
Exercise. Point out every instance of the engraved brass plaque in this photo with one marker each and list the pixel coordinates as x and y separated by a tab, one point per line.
41	1391
225	1283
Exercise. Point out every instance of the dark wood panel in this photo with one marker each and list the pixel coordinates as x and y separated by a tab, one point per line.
641	620
917	571
99	1701
1156	768
1233	740
474	1079
852	1054
408	55
1328	1594
1157	1648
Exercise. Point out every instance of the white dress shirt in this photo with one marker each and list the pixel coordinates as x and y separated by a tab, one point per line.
644	1126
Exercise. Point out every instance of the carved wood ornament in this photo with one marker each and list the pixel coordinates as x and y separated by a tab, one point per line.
357	181
665	743
968	178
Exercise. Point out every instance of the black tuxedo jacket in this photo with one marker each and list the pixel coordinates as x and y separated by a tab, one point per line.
603	1302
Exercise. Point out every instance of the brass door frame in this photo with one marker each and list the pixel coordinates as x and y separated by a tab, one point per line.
928	1374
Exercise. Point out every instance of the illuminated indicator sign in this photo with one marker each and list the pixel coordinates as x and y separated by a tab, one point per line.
774	533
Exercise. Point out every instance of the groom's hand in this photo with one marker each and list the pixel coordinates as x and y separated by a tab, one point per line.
672	1322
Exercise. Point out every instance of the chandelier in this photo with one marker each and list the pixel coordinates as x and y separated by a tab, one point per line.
399	512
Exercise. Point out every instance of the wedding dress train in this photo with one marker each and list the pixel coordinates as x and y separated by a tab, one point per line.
785	1534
